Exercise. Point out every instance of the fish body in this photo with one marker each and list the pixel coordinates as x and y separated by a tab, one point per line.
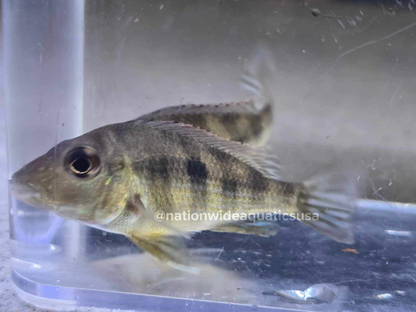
186	171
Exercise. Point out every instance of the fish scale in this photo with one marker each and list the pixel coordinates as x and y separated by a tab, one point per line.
189	184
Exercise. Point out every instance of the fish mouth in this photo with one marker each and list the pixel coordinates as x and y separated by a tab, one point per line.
27	193
18	189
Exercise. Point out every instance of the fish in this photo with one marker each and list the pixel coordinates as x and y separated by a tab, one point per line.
119	177
247	122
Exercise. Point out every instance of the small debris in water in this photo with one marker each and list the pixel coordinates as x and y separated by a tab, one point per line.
350	250
315	12
399	233
319	293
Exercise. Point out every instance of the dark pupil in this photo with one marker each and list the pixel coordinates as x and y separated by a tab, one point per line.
82	165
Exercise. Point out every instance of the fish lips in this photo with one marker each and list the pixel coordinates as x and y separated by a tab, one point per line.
27	193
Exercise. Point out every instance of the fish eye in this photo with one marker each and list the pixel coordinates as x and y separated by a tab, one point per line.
82	162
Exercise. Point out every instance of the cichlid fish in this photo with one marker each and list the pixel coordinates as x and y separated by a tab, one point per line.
246	122
118	177
243	122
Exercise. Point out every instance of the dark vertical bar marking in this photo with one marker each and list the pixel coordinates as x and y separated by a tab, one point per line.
159	168
198	175
258	184
256	126
156	172
229	188
197	171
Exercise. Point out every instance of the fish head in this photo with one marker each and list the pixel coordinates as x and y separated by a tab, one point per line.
85	178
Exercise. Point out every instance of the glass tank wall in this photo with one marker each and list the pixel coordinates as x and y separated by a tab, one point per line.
343	86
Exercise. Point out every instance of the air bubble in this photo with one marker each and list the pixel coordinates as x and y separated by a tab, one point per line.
384	296
315	12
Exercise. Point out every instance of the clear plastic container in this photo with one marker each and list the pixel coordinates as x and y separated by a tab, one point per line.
345	93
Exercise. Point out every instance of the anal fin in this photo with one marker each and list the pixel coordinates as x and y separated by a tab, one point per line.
260	228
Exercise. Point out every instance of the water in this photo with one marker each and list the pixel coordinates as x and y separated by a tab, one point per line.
378	272
344	89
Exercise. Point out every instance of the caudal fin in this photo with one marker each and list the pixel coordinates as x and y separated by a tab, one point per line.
331	200
258	73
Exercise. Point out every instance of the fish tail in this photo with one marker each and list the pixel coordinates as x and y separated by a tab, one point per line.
330	201
257	75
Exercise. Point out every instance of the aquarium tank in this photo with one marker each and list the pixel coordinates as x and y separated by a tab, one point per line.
341	76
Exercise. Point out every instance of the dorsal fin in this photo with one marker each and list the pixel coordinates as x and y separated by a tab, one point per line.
258	158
